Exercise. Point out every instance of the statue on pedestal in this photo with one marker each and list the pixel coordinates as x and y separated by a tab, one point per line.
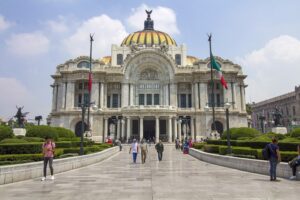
20	117
277	117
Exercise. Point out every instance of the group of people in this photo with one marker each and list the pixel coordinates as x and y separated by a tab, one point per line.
184	145
275	158
135	148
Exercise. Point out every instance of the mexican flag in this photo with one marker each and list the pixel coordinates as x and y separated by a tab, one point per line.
217	67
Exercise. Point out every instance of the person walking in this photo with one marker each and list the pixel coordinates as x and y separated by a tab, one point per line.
294	164
144	150
160	149
48	148
274	158
134	148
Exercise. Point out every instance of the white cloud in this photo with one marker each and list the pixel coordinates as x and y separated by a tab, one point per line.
272	70
164	19
4	24
106	31
58	26
13	94
28	44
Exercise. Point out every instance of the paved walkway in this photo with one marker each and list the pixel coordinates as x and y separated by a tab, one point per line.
178	176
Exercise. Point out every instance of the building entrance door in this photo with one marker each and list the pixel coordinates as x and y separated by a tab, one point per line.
149	129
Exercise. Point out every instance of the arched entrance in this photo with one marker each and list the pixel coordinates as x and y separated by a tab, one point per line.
219	127
78	128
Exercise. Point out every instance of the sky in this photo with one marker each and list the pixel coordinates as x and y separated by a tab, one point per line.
37	35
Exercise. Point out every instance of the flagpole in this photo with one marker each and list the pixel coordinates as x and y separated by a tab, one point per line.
212	84
90	74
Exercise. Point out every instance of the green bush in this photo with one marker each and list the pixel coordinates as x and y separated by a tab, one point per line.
223	150
5	132
28	157
287	155
21	148
69	139
64	133
221	142
198	145
86	150
291	139
244	151
33	139
12	140
42	132
268	137
65	144
236	133
210	148
295	133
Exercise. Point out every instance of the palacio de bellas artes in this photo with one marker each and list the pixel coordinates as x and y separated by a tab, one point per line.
149	87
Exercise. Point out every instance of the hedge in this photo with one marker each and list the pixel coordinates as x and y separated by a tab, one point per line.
64	133
42	132
5	132
295	133
86	150
20	148
198	145
210	148
12	140
236	133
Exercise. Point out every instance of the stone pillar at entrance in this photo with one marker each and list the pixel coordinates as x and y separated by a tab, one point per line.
175	128
118	129
156	129
192	128
170	130
105	129
179	131
123	129
128	129
141	128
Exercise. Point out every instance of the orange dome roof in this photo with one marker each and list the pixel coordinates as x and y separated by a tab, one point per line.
148	36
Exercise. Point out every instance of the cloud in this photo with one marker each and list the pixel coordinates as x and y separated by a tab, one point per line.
106	31
58	26
28	44
272	70
164	19
4	24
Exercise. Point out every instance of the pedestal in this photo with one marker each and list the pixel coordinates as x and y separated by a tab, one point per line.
19	131
280	130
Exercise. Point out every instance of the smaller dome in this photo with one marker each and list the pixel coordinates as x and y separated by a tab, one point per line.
190	60
106	60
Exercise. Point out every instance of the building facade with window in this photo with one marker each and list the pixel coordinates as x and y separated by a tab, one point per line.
147	88
288	105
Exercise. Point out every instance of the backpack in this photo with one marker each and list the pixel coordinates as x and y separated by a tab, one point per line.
266	152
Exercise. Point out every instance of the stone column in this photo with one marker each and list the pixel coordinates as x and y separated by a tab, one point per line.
118	129
203	96
141	127
175	128
131	94
170	130
196	99
233	90
156	129
179	131
62	96
192	128
95	93
101	95
105	128
173	94
125	94
128	128
123	128
105	96
54	96
70	95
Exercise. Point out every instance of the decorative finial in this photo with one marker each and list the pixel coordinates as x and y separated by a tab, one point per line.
148	24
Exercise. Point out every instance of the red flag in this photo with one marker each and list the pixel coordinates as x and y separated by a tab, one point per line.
90	82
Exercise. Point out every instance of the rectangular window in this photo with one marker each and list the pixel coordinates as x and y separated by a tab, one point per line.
182	100
190	100
85	85
119	59
294	110
115	100
149	99
178	59
141	99
86	98
108	101
80	86
79	99
218	100
156	99
217	86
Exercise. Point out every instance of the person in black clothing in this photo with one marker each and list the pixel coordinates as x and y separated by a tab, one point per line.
160	149
274	158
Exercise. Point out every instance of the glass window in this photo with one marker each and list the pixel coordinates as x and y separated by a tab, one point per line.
156	99
149	99
294	110
79	99
80	86
190	100
115	100
108	101
218	100
119	59
178	59
182	100
86	98
141	99
83	64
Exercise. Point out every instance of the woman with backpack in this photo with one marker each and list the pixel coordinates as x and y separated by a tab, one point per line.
48	153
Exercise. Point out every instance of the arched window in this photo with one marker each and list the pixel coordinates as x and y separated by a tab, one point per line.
83	64
178	59
119	59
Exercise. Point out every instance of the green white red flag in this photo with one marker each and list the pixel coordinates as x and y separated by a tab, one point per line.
217	67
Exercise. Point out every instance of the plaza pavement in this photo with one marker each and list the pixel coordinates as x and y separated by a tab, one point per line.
178	176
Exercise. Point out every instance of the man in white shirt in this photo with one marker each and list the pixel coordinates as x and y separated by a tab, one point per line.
134	149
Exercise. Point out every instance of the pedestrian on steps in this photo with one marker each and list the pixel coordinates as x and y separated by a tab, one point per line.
134	148
144	150
160	149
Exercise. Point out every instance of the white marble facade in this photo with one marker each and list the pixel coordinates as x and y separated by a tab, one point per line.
144	89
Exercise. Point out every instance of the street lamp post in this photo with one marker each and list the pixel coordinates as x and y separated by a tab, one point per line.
227	106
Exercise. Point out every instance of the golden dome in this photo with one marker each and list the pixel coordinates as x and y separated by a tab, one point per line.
106	60
148	36
190	60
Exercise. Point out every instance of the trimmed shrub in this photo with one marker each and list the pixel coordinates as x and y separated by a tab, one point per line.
287	156
20	148
244	151
236	133
268	137
64	133
12	140
222	142
28	157
33	139
5	132
210	148
42	132
291	140
69	139
65	144
198	145
295	133
86	150
223	150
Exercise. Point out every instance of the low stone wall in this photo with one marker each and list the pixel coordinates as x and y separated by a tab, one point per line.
244	164
21	172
